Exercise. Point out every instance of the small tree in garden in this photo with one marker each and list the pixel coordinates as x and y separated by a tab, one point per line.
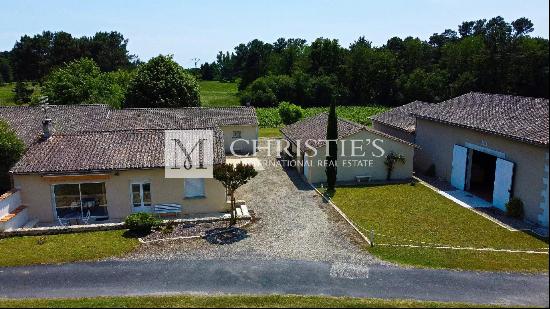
290	113
391	160
332	137
232	177
11	149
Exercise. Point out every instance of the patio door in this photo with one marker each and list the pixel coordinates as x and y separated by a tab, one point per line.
141	197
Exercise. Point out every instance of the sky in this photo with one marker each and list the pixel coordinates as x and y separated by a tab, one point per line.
191	29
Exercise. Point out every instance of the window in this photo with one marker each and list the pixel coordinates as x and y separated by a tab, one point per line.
194	188
236	134
141	194
73	200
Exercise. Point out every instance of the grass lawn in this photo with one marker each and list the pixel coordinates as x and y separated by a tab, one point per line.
218	94
270	132
406	214
271	301
7	97
51	249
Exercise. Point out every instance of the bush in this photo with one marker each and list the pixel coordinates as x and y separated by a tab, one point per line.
290	113
23	93
514	208
141	222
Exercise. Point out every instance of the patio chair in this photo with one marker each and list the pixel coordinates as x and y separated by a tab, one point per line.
86	219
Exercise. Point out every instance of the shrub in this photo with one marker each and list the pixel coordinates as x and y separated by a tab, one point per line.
23	93
290	113
141	222
514	208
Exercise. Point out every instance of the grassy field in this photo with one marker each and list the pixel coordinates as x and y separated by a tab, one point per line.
7	97
271	301
51	249
409	215
269	117
217	94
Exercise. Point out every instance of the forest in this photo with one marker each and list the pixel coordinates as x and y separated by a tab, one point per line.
488	55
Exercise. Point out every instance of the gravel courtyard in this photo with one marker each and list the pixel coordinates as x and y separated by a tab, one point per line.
292	223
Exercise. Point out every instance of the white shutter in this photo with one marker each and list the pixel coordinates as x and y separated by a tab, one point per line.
458	172
503	183
194	187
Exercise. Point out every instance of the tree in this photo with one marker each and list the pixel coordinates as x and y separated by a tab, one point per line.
391	160
232	177
81	81
23	93
332	144
11	149
161	82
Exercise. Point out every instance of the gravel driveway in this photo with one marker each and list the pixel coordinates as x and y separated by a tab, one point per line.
293	223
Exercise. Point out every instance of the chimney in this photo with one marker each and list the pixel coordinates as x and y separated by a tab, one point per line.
47	127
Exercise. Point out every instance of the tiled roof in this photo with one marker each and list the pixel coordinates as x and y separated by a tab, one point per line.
400	117
101	151
519	118
97	137
315	129
27	121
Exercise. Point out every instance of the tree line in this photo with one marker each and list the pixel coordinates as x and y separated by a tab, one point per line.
34	57
492	56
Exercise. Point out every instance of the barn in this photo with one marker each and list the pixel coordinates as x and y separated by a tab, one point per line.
492	146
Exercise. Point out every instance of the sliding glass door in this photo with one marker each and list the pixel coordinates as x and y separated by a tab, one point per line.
75	200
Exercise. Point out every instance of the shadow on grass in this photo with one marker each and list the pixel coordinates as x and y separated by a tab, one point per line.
224	236
135	234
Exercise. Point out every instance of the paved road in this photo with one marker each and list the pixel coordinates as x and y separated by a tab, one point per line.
269	277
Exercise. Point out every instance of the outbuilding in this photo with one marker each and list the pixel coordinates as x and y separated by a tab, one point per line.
362	151
492	146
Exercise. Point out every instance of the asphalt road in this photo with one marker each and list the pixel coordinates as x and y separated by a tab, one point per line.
223	276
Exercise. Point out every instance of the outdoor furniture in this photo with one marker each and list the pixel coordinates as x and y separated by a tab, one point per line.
167	209
360	179
86	219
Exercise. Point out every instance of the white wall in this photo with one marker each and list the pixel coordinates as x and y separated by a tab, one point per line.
9	201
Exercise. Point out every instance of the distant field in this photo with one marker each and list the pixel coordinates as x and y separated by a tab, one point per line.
269	117
218	94
7	97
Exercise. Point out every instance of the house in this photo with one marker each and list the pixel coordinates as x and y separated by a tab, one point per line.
111	162
398	121
361	151
493	146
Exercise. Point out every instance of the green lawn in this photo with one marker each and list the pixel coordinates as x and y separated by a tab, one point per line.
51	249
270	132
271	301
218	94
7	97
407	214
